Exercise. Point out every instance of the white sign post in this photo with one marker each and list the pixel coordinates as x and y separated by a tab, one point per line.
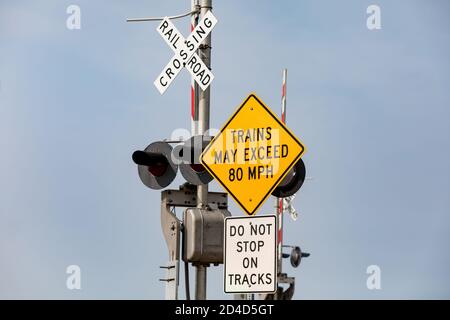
185	55
250	256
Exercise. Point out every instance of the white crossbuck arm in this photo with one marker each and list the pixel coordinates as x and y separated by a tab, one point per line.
185	55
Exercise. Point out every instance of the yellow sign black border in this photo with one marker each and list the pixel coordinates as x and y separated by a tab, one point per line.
252	213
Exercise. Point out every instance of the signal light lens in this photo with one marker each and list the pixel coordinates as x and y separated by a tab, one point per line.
198	167
158	170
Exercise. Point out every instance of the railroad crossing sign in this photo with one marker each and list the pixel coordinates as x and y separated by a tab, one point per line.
250	263
252	154
185	55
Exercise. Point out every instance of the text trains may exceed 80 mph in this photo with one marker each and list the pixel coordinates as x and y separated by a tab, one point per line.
252	154
257	147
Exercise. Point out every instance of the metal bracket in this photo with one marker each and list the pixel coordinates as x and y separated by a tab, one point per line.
289	293
171	279
186	196
280	294
171	227
195	11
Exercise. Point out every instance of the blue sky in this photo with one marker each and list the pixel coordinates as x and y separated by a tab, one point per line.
372	108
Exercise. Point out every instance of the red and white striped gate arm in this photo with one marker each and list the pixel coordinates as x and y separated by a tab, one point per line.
194	86
279	205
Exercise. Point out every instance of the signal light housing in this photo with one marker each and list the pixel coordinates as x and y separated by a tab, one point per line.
292	182
189	155
155	166
296	256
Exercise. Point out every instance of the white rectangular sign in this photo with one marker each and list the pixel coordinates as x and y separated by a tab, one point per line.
250	255
185	55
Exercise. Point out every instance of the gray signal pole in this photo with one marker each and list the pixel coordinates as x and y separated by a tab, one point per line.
203	126
205	212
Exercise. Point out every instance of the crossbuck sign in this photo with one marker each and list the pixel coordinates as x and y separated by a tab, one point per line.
185	55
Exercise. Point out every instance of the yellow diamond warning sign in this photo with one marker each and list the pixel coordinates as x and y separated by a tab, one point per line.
252	154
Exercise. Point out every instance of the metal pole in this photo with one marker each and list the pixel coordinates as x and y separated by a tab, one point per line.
205	55
279	201
279	212
200	282
203	126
